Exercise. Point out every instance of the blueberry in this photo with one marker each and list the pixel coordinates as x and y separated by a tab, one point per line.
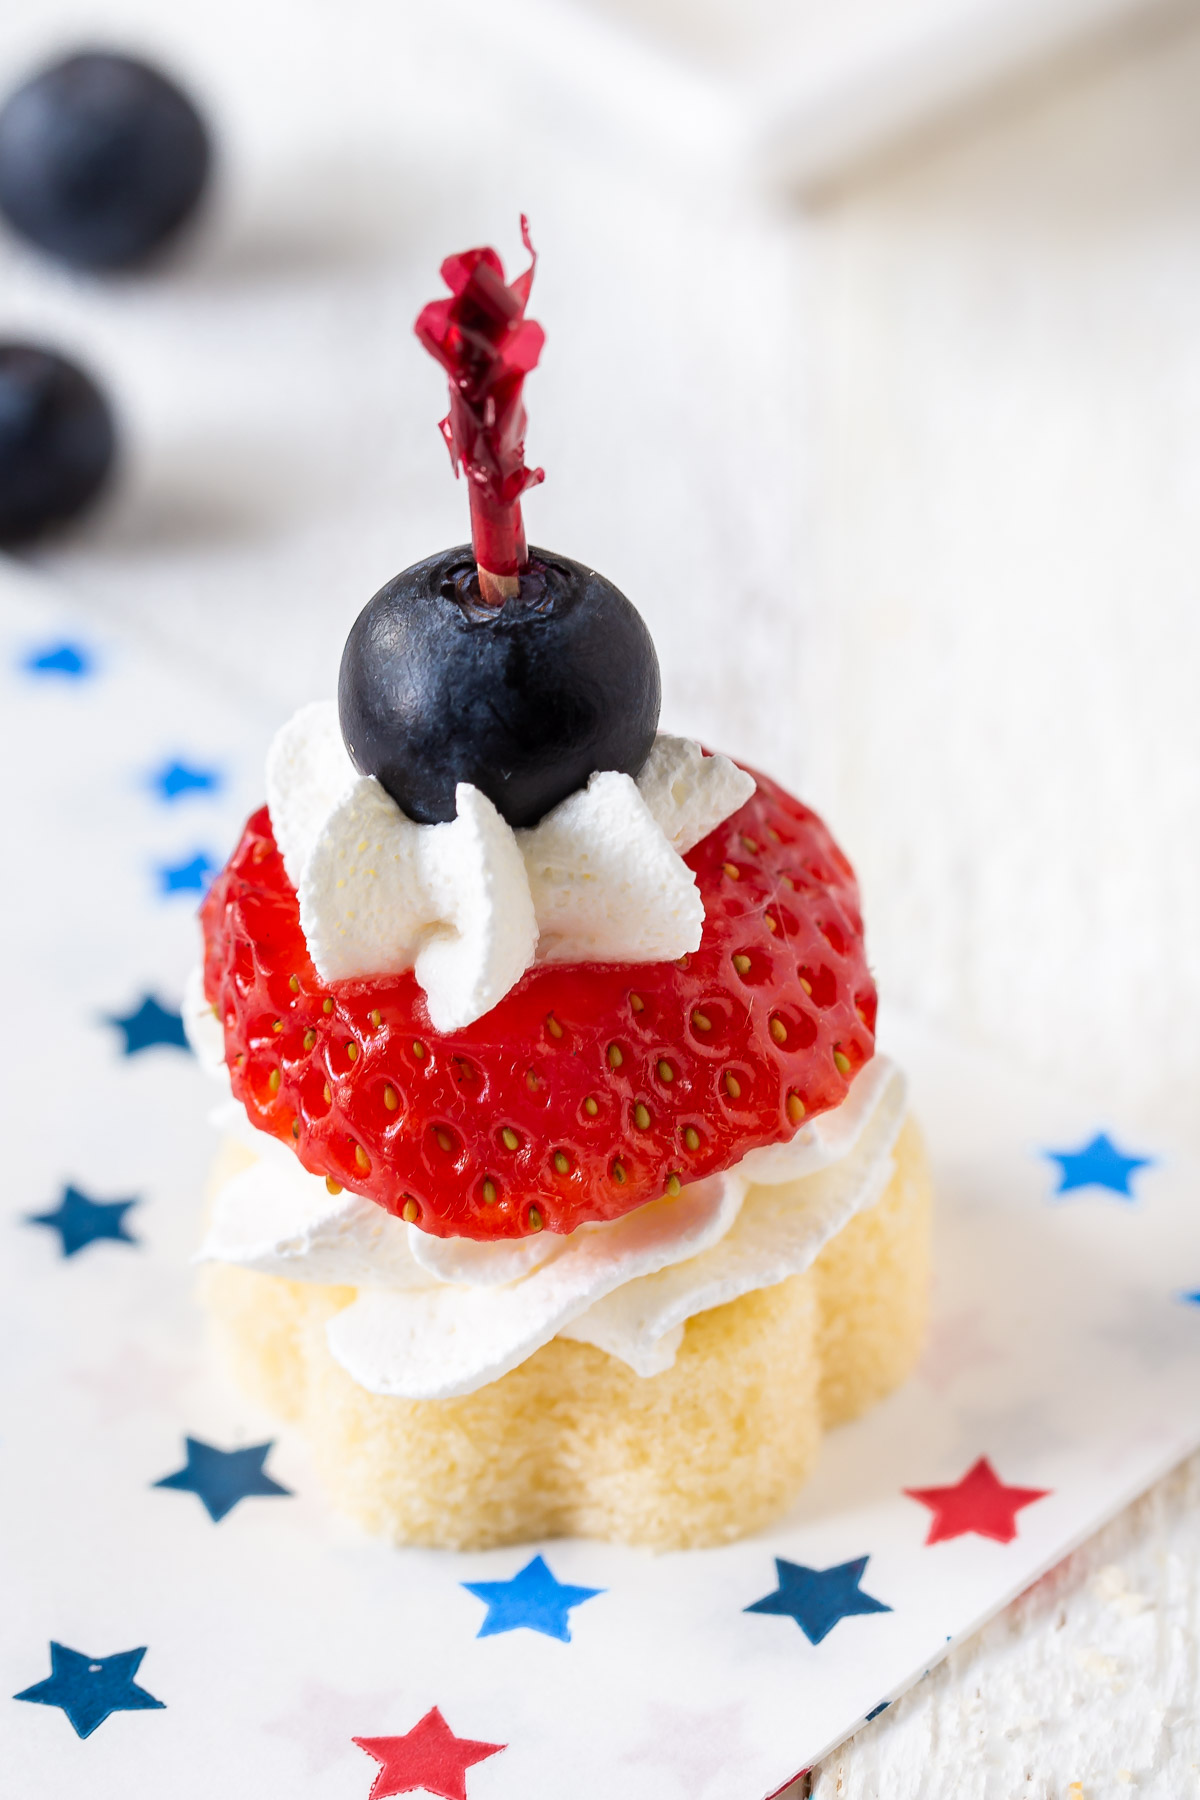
56	441
101	160
523	700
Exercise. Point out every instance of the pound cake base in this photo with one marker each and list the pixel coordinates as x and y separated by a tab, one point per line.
573	1443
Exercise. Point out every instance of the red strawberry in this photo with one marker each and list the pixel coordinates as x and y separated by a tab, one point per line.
590	1088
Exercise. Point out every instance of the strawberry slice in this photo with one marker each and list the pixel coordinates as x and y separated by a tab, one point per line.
590	1088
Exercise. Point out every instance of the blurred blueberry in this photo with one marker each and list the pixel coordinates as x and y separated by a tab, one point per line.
101	160
56	441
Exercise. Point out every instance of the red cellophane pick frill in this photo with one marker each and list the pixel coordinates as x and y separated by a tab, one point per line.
487	346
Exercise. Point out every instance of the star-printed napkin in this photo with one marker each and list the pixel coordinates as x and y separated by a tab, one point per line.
183	1616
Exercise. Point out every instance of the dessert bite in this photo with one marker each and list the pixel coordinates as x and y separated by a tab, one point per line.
562	1186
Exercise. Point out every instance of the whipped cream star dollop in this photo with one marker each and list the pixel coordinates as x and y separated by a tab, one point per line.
471	904
435	1317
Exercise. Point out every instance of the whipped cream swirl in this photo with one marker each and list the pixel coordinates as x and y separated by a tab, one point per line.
470	905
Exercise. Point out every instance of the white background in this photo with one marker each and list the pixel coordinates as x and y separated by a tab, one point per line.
902	469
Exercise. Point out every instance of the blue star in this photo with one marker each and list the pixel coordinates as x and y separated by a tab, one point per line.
532	1598
175	779
80	1221
186	877
88	1688
222	1477
1098	1164
1192	1299
818	1598
149	1024
75	661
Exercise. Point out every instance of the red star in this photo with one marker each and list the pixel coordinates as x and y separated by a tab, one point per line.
429	1756
980	1502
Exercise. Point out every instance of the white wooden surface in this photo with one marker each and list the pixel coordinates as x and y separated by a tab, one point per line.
825	87
1004	498
1002	615
974	643
1084	1689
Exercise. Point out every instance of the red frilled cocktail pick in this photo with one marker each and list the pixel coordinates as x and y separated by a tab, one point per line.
487	346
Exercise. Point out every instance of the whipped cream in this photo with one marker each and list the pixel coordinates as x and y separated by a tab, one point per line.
471	904
436	1317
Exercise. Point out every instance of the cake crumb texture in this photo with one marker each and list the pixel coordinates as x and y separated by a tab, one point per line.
573	1442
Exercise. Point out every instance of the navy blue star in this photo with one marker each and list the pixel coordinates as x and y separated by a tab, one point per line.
175	778
222	1477
532	1598
876	1710
149	1024
80	1221
88	1688
75	661
1098	1164
186	877
818	1598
